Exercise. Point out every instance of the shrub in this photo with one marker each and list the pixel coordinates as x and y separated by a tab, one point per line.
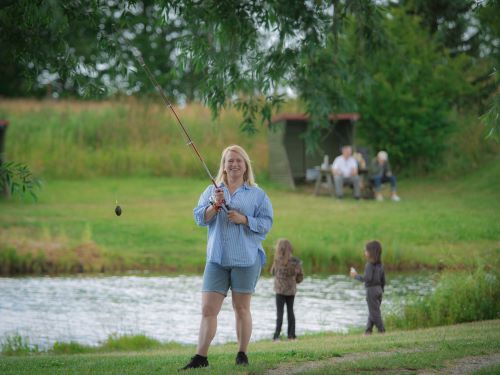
458	298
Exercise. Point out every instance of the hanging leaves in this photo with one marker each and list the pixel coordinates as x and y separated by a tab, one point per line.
17	178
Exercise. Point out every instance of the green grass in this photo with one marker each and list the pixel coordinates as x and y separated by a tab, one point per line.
73	228
90	154
124	343
69	139
17	345
420	349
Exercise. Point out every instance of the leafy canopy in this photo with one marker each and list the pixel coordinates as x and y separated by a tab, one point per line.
336	55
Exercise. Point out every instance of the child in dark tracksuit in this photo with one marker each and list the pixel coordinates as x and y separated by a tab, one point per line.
374	279
287	272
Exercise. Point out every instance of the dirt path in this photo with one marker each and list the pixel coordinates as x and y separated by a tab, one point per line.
462	366
298	368
466	365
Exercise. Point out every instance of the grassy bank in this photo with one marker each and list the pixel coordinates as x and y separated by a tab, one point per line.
73	228
69	139
396	351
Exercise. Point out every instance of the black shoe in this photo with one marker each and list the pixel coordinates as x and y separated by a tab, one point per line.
197	361
241	359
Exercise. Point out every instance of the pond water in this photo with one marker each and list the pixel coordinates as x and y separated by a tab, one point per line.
88	309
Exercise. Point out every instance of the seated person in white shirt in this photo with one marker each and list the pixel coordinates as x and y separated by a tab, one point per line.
345	172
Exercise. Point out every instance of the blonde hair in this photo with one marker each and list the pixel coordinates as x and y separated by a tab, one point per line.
247	177
282	252
383	155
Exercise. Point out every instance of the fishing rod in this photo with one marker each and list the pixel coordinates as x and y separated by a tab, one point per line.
167	102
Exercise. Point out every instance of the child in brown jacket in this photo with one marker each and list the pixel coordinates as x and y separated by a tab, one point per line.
287	272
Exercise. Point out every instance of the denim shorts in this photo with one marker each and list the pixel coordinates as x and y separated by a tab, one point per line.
217	278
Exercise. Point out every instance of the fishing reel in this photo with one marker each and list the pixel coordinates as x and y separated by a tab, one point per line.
219	207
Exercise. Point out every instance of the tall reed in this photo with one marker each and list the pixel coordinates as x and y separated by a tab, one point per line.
459	297
72	139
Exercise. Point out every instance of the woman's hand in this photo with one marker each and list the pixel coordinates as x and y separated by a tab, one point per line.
236	217
216	201
219	196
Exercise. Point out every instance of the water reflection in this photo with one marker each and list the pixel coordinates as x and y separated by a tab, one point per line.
88	309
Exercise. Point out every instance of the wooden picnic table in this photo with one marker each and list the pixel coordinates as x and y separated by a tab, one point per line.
325	173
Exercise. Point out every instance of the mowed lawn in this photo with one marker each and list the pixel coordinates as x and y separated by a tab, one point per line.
433	349
438	223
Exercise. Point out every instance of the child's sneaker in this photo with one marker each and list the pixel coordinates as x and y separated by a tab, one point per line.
395	198
379	197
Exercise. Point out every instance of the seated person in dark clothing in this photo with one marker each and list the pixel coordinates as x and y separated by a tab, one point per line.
381	173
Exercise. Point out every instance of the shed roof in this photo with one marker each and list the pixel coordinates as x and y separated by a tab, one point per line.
304	117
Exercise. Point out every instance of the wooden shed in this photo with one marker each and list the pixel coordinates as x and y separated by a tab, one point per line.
288	160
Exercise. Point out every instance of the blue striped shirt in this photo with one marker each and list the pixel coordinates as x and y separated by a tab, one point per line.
236	245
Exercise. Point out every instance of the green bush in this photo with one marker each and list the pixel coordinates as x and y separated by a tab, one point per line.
467	149
414	87
459	297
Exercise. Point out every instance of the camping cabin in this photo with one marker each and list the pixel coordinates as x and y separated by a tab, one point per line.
289	163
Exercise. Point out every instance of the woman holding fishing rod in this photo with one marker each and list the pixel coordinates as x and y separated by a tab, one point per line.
238	215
